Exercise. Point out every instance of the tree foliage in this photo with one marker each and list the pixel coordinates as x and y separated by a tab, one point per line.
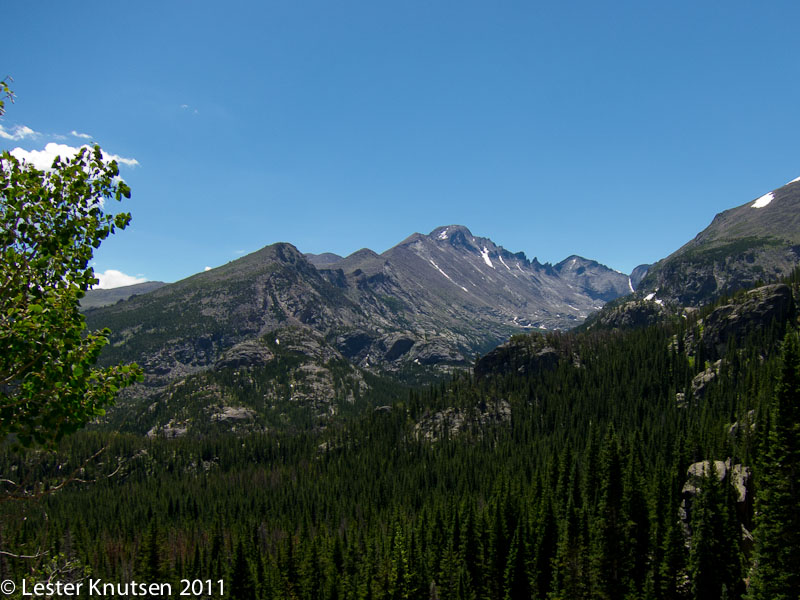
5	94
51	221
776	574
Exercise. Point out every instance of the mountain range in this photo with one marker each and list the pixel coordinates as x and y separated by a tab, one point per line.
320	330
432	299
432	302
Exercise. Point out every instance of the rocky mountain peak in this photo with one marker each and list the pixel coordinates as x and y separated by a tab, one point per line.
322	260
575	264
456	235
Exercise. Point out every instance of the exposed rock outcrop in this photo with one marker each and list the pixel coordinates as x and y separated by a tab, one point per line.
704	378
631	314
451	422
246	354
521	354
736	475
745	315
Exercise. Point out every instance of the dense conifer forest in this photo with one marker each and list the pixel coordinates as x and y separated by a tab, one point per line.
580	493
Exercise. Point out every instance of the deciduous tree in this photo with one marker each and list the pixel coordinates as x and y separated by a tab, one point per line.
51	221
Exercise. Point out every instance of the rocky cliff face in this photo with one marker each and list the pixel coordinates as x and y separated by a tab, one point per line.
521	355
747	314
630	314
638	274
728	473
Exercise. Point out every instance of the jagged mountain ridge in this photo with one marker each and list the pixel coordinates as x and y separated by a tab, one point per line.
471	276
757	241
433	299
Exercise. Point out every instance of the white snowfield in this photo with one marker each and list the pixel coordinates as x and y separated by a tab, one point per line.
767	198
763	201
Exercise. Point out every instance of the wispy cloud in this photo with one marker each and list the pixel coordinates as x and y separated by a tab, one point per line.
188	108
17	133
111	278
131	162
83	136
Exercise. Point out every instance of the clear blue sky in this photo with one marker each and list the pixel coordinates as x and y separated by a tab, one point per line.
611	130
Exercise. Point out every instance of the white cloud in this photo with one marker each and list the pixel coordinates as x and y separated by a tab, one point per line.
43	159
131	162
112	278
19	132
83	136
207	269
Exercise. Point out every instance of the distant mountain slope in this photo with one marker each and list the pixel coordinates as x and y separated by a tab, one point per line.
319	260
757	241
473	283
433	300
638	274
187	325
596	280
97	297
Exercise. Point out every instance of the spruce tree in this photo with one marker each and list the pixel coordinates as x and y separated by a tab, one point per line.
707	556
776	571
243	585
610	557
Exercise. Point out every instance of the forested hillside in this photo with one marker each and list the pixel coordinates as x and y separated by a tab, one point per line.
602	464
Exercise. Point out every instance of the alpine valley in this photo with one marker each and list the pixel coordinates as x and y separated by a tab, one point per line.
445	420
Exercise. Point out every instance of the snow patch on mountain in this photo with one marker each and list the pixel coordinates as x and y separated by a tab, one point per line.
652	296
763	201
485	255
438	269
446	275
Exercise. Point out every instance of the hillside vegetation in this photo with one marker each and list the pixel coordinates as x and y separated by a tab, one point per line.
602	464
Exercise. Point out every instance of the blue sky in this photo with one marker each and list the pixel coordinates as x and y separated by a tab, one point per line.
611	130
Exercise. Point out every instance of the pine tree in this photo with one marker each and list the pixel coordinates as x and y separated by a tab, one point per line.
151	570
705	557
638	515
517	582
569	579
611	560
243	585
776	572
